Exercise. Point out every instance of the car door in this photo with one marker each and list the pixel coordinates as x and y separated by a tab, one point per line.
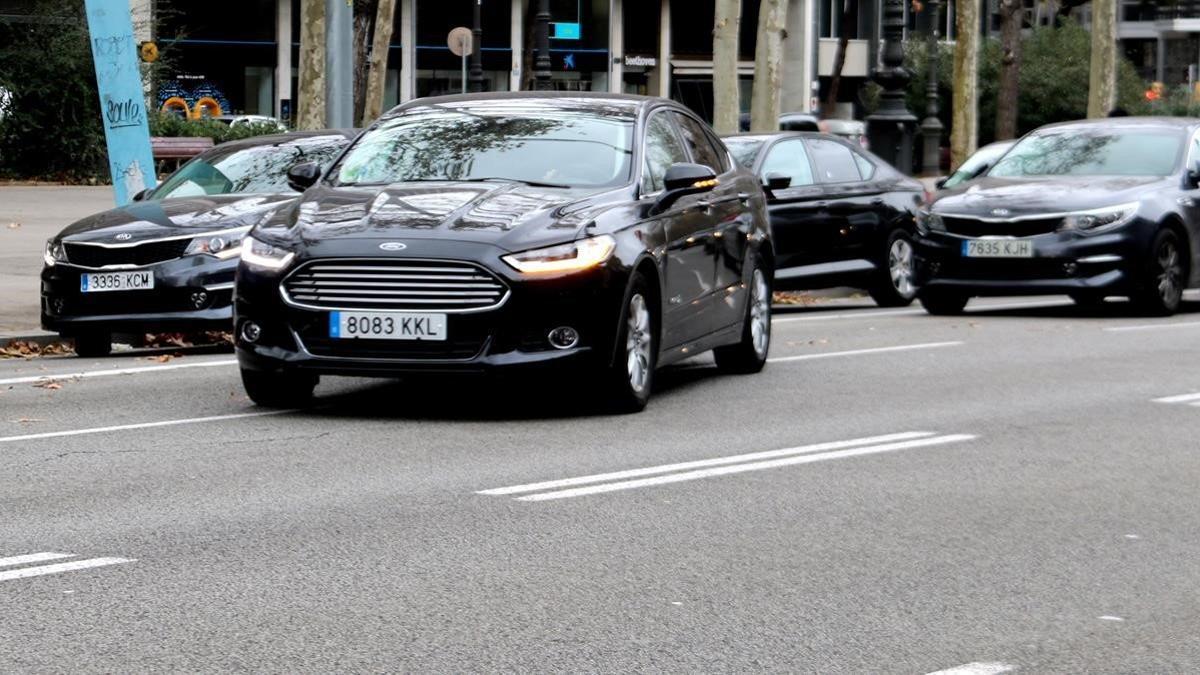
1190	204
798	228
689	267
852	205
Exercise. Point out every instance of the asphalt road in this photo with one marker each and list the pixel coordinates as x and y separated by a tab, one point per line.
895	493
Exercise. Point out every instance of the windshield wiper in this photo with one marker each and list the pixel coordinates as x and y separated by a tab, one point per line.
531	183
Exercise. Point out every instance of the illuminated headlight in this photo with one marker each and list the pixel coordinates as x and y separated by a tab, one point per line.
224	245
54	253
1100	219
267	256
572	257
929	222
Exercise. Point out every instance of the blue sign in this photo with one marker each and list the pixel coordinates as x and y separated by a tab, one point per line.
122	101
565	31
569	62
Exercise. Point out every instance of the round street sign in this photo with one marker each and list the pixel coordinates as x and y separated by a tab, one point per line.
460	41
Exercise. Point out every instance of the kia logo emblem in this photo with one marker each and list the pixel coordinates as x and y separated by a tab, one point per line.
1000	212
124	236
393	246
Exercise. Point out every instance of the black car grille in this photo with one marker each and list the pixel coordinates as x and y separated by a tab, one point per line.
972	227
91	255
389	284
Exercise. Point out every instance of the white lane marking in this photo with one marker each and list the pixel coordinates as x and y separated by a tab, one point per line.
977	668
59	568
32	558
716	461
867	312
1109	617
1152	326
81	374
142	425
1182	398
874	350
742	468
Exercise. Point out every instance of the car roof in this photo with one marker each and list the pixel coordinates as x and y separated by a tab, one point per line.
277	139
1127	123
599	100
772	135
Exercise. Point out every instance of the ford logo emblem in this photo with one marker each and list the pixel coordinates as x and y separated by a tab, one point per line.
393	246
124	236
1000	212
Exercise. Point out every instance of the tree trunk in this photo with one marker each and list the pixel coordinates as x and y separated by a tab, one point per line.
829	106
1011	18
377	74
964	131
726	106
768	66
1102	83
310	109
364	20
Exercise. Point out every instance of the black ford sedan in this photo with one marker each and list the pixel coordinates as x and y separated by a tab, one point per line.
597	235
840	215
1088	209
166	261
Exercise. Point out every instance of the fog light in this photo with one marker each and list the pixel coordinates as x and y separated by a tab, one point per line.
57	305
563	337
1070	269
199	299
251	332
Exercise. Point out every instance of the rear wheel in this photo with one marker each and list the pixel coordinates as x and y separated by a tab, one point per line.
93	344
278	390
943	303
1164	277
750	355
630	377
895	287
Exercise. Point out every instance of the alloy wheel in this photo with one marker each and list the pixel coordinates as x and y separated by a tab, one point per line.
1170	272
900	261
760	314
638	343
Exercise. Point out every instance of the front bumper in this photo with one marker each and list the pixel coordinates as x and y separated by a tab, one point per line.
169	306
1063	263
512	336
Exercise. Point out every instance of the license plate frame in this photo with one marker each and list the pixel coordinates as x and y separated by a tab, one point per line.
997	248
401	326
107	282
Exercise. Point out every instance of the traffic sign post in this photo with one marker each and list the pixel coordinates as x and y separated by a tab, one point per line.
462	44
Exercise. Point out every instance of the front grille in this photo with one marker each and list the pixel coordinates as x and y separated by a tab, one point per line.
91	255
971	227
387	284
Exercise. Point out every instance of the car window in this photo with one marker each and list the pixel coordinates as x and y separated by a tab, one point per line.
866	168
790	159
663	148
697	142
744	150
835	163
260	169
1094	151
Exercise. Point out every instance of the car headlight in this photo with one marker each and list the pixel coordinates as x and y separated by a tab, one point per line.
264	255
224	245
54	253
572	257
1100	219
929	222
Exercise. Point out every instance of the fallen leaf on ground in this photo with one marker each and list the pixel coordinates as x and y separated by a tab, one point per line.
13	226
48	384
25	349
29	420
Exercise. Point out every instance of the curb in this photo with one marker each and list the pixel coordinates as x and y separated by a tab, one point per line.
40	338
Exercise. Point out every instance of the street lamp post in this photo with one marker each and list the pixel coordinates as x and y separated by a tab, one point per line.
931	127
542	65
476	76
891	128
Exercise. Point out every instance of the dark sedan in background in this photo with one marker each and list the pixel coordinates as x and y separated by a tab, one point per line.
166	261
840	216
1088	209
594	237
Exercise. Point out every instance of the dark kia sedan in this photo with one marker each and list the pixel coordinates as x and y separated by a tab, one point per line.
840	216
594	236
166	261
1088	209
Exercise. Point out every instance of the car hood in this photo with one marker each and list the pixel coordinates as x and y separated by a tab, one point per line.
513	216
155	219
1032	196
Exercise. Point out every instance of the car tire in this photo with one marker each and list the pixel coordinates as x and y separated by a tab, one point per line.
943	303
1164	276
894	286
93	344
630	377
749	355
278	390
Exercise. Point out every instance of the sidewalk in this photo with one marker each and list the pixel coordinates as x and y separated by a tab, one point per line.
38	212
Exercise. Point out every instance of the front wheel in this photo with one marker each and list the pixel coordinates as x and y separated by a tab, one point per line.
943	303
894	286
278	390
628	380
750	355
1164	278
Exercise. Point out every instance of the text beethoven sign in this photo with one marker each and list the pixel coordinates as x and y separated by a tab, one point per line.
122	103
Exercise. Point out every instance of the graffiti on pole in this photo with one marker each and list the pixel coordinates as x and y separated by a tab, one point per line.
115	53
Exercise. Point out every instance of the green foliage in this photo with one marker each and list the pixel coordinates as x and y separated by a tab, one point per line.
52	129
167	124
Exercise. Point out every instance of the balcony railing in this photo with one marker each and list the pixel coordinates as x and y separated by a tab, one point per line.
1178	9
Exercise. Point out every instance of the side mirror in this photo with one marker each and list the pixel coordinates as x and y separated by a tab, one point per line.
777	181
681	180
303	175
1193	175
941	182
980	171
141	196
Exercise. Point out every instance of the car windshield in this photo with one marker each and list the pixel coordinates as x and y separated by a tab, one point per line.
986	155
259	169
562	145
1094	152
744	150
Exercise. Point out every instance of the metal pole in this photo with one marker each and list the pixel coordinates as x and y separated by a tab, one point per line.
339	60
931	127
542	64
464	72
477	49
891	128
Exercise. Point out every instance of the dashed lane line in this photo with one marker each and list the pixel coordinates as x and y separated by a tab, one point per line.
142	425
977	668
873	350
56	568
110	372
